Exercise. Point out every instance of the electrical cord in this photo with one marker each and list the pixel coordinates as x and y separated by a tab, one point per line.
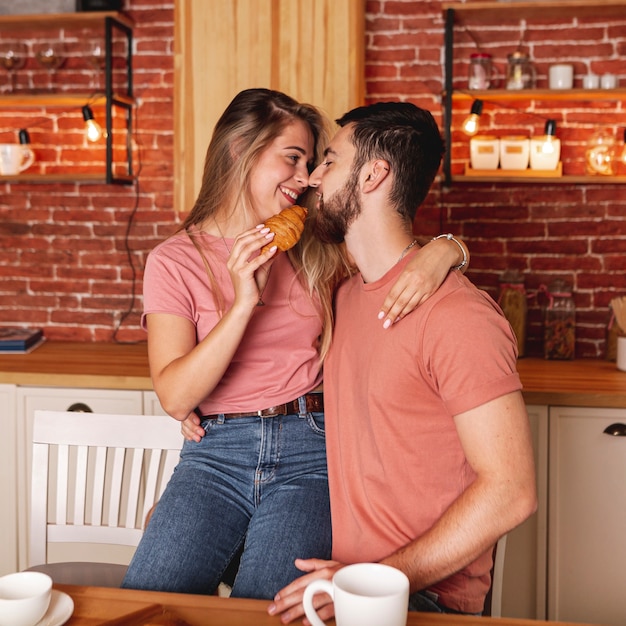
129	252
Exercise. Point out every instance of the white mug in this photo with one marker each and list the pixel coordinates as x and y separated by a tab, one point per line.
15	158
621	353
364	594
561	76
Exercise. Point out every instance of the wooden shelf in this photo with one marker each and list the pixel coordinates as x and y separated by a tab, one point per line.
112	23
497	12
80	19
557	180
580	95
480	12
50	99
90	179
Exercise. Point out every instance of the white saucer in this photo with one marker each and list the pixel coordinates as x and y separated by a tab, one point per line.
60	610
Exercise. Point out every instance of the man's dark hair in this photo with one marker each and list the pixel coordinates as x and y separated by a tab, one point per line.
408	138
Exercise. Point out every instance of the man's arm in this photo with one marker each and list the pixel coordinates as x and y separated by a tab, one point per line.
497	443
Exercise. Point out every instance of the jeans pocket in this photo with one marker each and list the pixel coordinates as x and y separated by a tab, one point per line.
316	423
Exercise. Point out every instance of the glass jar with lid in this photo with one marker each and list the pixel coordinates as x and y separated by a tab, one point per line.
514	305
559	337
520	72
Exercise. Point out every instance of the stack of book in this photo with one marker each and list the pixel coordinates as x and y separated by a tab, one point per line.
14	339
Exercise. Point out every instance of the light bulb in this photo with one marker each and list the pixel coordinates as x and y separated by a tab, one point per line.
471	123
545	150
549	143
547	147
599	154
93	130
23	136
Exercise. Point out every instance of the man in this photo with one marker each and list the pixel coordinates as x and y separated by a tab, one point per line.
429	450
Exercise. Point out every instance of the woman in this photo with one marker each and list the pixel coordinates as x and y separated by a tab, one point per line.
238	337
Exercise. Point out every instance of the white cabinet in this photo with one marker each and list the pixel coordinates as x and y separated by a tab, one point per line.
29	399
587	516
8	481
524	578
151	404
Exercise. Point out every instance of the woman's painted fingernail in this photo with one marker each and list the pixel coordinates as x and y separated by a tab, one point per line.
387	323
381	314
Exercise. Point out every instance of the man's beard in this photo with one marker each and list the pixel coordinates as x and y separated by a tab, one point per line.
335	214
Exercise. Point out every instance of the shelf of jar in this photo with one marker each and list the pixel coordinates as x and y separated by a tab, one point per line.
87	178
60	99
540	94
511	177
510	174
80	19
481	12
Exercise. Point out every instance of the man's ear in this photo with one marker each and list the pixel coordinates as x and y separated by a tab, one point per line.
375	173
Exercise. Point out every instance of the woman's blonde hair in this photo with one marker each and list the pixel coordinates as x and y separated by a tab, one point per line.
250	123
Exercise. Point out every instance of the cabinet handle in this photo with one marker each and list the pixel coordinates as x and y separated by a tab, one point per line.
617	430
80	407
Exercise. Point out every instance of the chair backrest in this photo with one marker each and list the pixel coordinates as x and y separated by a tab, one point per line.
95	476
493	601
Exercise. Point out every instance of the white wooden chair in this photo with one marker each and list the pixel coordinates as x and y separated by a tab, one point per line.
94	479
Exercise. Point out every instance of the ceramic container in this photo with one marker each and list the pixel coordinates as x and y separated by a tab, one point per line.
545	152
514	152
484	152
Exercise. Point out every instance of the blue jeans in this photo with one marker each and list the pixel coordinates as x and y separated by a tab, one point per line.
254	484
426	602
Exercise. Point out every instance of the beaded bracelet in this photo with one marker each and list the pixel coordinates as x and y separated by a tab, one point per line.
450	237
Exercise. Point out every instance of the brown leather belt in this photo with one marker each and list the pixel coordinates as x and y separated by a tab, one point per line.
314	404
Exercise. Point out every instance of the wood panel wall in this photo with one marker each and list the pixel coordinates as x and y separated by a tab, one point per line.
313	50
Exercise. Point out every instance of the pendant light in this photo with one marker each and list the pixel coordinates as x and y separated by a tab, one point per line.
93	130
471	123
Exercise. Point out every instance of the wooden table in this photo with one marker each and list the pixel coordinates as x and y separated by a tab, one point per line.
126	607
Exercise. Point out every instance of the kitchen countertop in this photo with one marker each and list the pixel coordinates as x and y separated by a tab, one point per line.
84	365
582	382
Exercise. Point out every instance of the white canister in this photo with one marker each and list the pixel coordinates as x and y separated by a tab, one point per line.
591	81
608	81
484	152
514	152
561	76
545	152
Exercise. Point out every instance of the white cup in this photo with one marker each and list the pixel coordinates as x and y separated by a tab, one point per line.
621	353
24	598
561	76
15	158
364	594
608	81
591	81
484	152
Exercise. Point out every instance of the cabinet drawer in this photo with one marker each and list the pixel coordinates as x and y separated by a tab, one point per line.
587	516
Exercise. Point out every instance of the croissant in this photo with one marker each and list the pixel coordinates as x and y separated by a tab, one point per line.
287	227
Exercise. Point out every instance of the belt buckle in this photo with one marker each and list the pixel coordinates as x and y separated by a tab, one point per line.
260	413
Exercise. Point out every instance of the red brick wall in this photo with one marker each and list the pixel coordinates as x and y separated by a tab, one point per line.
64	264
550	230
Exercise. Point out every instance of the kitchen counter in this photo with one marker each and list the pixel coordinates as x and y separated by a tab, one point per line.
84	365
582	382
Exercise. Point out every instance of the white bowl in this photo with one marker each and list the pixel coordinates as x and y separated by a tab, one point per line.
24	598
